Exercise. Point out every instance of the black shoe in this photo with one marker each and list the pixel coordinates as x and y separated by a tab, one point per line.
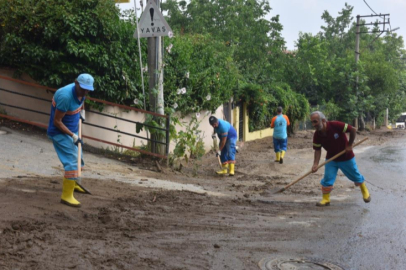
281	161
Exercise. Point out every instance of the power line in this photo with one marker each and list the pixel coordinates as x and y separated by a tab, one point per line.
390	26
371	8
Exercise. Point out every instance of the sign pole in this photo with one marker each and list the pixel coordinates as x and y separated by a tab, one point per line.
153	26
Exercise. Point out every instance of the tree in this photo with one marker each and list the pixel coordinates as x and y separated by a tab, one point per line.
200	73
240	24
325	70
53	41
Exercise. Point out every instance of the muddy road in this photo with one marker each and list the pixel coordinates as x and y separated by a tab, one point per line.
140	218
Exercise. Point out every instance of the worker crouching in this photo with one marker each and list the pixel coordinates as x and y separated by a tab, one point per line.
227	146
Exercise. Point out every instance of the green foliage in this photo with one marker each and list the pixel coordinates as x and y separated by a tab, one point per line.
331	110
294	105
323	69
189	143
263	101
256	98
53	41
221	49
239	24
66	38
199	73
152	125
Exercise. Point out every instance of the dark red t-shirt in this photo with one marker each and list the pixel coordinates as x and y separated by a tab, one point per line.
334	141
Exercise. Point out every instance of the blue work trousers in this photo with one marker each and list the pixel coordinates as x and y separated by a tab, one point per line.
349	168
228	151
67	153
280	145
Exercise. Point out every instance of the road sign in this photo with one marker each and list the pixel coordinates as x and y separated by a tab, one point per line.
152	23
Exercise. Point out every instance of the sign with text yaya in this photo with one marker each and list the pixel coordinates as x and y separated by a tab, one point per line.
152	23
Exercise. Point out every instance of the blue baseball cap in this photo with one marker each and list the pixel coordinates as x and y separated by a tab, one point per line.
86	81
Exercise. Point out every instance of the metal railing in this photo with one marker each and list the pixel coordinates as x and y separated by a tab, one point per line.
165	129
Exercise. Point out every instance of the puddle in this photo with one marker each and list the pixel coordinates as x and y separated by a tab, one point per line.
389	155
301	223
357	150
25	190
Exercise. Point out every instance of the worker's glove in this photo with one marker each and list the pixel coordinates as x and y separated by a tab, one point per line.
213	136
83	115
76	139
218	153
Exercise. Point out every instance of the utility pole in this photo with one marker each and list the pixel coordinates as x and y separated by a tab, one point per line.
154	71
357	54
156	89
153	26
356	62
152	67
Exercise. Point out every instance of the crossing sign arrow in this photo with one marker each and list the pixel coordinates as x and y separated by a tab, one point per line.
152	23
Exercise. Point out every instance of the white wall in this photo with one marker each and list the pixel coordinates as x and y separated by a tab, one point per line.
205	128
25	102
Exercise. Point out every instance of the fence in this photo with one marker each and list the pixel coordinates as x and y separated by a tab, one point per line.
13	96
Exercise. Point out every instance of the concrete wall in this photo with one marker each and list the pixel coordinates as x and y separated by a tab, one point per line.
204	127
255	135
96	119
111	136
25	102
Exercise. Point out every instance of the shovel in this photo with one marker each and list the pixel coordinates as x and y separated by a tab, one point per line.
321	165
214	145
218	158
80	158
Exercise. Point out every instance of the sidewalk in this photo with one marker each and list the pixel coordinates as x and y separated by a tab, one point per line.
24	155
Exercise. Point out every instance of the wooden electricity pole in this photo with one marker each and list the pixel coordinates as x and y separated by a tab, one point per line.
361	125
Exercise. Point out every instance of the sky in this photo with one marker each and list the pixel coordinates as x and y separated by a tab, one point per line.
305	15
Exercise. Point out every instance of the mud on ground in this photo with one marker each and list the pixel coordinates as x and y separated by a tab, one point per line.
128	226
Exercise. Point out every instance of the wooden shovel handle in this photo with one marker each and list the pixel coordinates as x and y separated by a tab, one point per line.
80	149
218	158
321	165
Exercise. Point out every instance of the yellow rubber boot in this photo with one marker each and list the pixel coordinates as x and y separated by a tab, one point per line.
278	157
231	169
282	156
67	193
224	170
325	201
365	193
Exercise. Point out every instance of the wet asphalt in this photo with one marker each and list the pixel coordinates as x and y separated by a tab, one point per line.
357	235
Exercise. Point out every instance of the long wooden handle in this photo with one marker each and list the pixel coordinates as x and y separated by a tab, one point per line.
80	149
218	158
321	165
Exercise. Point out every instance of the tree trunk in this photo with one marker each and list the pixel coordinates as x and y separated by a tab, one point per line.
361	123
